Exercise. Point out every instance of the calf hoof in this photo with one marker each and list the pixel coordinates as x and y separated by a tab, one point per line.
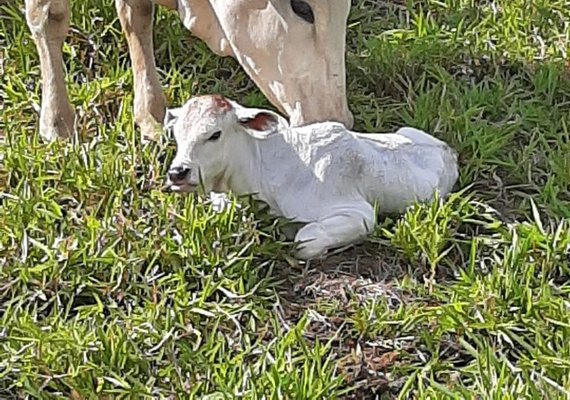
313	254
220	202
308	251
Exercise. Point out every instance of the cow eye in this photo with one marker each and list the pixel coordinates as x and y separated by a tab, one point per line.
215	136
303	10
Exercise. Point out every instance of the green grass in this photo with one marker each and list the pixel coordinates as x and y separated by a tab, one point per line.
112	288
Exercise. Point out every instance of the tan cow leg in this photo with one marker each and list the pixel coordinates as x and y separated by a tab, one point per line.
172	4
150	104
48	21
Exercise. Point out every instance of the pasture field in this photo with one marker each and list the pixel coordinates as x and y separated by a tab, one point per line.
111	287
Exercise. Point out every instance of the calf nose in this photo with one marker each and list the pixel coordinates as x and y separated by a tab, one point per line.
177	174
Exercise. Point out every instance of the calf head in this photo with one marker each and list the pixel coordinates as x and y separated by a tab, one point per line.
212	134
294	50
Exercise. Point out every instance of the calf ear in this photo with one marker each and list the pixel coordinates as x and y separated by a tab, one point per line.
259	123
171	116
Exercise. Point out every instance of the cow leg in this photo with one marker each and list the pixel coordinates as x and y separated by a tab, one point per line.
343	225
48	21
149	101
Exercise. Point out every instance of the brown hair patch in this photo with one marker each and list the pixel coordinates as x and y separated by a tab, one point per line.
221	103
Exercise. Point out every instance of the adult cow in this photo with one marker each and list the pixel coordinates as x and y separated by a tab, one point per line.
292	49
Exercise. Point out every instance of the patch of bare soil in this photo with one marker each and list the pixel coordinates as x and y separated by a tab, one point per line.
347	280
332	294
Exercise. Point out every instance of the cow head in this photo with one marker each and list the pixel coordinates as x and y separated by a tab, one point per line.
294	50
210	133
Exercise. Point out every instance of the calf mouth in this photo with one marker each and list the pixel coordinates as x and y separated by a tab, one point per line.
181	187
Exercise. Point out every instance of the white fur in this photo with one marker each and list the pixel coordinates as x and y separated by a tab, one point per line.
320	174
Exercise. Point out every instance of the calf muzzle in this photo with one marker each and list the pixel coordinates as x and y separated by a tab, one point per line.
178	175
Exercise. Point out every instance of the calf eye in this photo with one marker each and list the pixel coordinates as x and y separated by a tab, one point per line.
303	10
215	136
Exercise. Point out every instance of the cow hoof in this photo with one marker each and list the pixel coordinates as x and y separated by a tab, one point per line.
150	130
51	134
57	126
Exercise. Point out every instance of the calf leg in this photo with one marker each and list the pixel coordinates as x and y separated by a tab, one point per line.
149	102
48	21
343	225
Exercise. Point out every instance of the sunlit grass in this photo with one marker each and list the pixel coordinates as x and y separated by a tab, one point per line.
111	287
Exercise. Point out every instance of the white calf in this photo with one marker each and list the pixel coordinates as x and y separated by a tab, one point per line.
320	174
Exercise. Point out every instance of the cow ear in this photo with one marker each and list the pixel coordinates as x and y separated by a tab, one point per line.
171	116
259	123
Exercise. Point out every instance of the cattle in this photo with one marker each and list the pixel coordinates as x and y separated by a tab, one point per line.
294	50
322	175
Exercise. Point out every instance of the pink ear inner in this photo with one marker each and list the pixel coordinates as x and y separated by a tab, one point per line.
260	122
